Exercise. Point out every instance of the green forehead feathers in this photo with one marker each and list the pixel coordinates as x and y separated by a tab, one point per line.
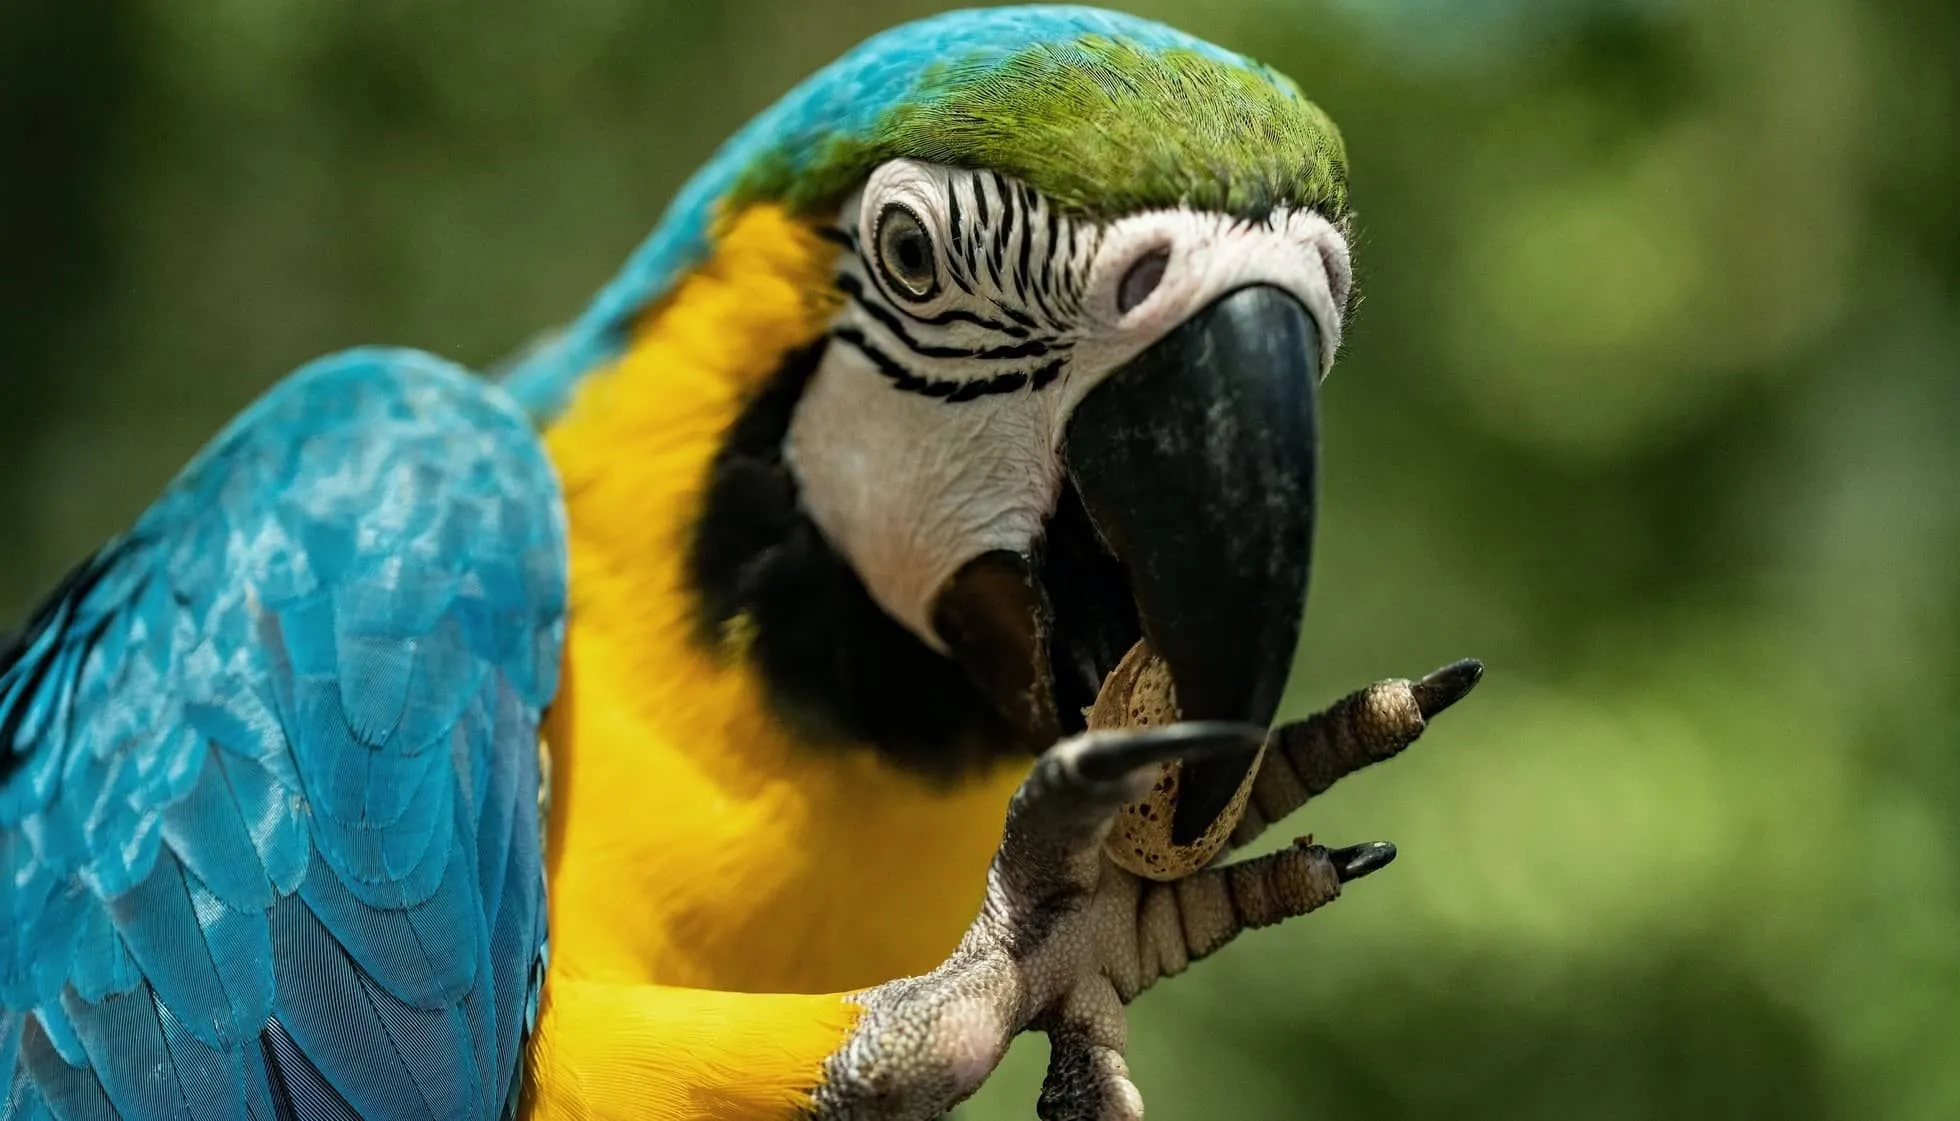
1105	114
1102	128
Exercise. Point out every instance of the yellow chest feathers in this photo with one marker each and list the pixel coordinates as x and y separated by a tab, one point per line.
693	840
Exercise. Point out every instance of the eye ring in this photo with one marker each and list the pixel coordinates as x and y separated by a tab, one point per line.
905	253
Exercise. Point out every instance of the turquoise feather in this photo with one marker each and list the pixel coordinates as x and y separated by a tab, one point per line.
269	826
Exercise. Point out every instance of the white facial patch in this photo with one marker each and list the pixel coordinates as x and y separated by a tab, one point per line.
977	317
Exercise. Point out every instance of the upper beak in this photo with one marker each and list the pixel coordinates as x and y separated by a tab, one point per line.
1196	464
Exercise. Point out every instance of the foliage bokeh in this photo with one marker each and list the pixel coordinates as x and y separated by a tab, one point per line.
1650	403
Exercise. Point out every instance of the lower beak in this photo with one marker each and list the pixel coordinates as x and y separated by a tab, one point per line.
1196	464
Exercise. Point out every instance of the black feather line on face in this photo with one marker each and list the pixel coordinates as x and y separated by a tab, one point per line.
960	282
1029	348
952	392
1077	280
1023	274
970	247
956	265
1017	315
1046	375
961	315
954	230
1005	192
1049	258
1003	236
1038	290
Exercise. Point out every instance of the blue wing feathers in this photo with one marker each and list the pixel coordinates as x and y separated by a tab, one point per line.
213	1077
269	838
46	1084
299	1090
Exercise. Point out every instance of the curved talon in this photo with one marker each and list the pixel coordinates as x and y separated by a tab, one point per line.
1442	688
1356	861
1077	786
1112	755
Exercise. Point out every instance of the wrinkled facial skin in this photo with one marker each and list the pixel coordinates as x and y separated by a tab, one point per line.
977	318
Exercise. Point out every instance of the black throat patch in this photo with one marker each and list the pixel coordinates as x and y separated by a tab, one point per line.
834	664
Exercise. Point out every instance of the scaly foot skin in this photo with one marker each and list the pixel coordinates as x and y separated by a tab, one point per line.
1365	727
1065	938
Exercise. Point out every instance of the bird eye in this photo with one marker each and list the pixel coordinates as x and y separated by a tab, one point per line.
905	253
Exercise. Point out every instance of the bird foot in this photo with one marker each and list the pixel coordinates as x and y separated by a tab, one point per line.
1303	759
1066	938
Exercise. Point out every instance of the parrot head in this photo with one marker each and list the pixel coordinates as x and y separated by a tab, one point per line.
1081	276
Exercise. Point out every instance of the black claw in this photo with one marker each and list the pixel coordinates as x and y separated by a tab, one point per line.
1447	686
1356	861
1119	753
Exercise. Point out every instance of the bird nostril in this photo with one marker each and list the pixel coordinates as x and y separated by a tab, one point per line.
1142	279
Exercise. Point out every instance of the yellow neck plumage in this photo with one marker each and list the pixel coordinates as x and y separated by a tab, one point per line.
693	840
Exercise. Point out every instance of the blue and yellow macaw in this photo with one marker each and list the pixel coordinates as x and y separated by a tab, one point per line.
754	615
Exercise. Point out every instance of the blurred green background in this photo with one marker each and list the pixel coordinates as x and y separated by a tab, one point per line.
1650	403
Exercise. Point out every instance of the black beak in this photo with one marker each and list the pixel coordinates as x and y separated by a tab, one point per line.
1196	464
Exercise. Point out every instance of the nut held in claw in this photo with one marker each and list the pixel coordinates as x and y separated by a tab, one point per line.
1138	694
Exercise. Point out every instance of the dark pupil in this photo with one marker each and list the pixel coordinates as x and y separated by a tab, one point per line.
907	251
911	252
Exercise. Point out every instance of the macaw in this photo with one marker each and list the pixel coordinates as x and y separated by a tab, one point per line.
687	721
